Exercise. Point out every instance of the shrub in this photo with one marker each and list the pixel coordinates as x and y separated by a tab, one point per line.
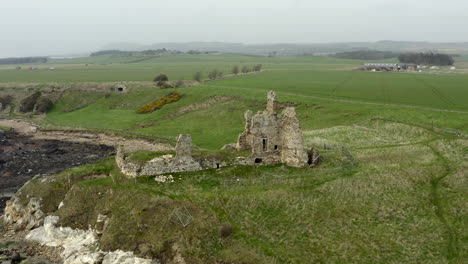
235	70
5	100
213	74
197	76
27	104
257	67
245	69
226	230
159	103
43	105
161	77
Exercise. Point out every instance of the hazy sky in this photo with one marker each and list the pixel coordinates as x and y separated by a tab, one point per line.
48	27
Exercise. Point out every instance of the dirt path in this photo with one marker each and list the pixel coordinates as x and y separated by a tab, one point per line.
33	130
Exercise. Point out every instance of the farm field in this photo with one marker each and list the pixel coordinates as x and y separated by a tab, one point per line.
391	189
110	68
327	95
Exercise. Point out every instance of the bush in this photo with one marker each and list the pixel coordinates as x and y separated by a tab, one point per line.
27	104
213	74
197	76
257	67
5	100
161	78
245	69
159	103
43	105
235	70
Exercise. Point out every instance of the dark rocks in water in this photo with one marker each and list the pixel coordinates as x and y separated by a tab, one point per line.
23	157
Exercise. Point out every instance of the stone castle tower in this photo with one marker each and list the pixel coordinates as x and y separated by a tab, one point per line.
273	137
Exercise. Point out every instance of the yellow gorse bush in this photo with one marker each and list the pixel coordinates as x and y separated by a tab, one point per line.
158	104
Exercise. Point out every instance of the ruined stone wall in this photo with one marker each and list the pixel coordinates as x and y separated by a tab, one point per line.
126	167
273	138
183	161
244	142
265	131
293	153
184	145
272	102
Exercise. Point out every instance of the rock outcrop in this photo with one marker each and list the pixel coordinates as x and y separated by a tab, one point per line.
80	246
23	217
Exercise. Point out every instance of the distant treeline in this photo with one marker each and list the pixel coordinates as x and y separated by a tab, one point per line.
23	60
146	52
366	55
132	53
427	58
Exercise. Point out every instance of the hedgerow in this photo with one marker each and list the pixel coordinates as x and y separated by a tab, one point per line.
158	104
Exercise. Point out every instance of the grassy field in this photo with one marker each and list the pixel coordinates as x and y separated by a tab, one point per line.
108	68
403	201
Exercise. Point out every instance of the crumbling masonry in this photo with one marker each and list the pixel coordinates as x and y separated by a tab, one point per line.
273	137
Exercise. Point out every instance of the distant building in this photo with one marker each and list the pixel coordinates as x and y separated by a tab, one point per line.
380	66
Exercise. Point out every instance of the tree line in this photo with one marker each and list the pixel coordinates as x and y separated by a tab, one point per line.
365	55
212	75
429	58
23	60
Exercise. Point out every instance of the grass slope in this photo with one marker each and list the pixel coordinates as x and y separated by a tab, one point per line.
402	202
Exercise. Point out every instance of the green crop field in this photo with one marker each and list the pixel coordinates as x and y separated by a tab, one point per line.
402	199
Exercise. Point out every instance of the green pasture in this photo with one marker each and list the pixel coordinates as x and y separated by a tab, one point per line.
218	124
402	201
111	69
326	93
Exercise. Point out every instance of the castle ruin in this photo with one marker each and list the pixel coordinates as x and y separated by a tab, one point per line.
273	137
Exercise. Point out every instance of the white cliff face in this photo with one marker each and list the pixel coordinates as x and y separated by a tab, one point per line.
80	246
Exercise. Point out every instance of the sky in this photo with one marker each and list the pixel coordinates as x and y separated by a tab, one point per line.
54	27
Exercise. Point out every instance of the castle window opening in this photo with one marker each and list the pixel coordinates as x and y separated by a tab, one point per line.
257	160
276	147
265	144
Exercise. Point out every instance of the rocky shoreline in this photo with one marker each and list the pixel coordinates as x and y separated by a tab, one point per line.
22	157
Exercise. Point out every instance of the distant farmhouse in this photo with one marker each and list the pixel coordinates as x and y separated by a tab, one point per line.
378	66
